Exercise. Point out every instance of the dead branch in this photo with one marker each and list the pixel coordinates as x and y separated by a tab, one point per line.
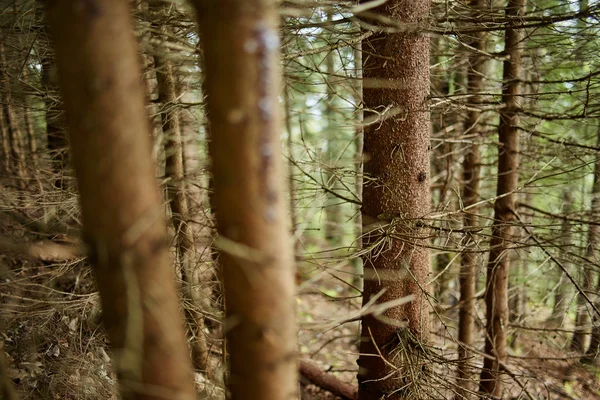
42	250
327	381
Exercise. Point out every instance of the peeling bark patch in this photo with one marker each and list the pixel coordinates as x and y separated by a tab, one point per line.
422	176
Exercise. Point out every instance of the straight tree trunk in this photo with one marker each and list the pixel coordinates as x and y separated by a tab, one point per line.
584	313
359	141
15	137
392	362
470	195
177	196
496	293
561	292
242	85
333	206
55	124
123	218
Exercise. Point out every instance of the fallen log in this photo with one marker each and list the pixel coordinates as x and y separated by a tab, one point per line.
327	382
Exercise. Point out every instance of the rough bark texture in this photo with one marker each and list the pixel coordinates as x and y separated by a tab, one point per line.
124	223
496	294
397	188
584	312
177	196
470	195
242	85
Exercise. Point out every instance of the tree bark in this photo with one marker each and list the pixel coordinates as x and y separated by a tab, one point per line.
496	294
242	85
561	292
584	313
177	196
124	223
15	138
392	362
470	196
333	207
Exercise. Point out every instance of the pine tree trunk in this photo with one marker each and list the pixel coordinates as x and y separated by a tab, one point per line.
561	291
242	85
15	138
496	294
123	218
470	196
396	150
177	196
333	205
584	313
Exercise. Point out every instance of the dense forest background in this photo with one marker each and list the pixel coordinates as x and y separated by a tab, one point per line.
391	199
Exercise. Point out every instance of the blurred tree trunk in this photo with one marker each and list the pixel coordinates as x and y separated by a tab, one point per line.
584	312
396	150
177	194
333	205
31	139
358	159
15	136
55	123
470	195
561	291
241	52
496	294
124	224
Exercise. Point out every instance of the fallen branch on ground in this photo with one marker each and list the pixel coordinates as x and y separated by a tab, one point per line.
42	250
327	381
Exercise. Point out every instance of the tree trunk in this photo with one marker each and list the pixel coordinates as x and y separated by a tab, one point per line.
397	189
561	292
358	159
242	85
470	195
55	124
124	224
177	196
584	313
15	138
496	294
333	206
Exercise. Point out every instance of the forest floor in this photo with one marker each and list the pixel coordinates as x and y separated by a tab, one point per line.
56	349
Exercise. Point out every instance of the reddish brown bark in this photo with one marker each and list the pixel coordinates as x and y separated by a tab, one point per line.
123	218
242	84
397	165
496	294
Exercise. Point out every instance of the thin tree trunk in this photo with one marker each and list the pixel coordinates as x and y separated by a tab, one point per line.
333	206
55	125
470	195
177	195
123	218
496	294
31	140
242	85
584	317
15	138
561	292
358	159
397	164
